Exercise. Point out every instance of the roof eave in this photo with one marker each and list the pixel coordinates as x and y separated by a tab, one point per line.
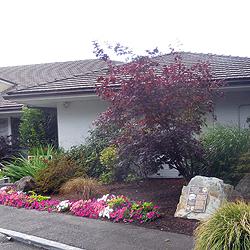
64	92
16	95
11	109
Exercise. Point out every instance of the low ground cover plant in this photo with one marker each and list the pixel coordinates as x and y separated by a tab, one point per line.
10	197
228	229
115	208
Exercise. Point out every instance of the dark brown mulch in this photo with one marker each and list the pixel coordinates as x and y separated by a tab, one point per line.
165	193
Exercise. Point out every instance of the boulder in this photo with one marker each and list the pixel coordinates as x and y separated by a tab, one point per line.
202	197
25	184
243	187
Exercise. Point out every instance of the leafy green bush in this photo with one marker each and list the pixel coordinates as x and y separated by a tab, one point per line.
58	171
108	158
88	155
223	148
107	177
227	229
37	127
21	166
32	132
84	188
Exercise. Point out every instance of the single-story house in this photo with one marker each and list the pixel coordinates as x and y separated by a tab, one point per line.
18	78
69	88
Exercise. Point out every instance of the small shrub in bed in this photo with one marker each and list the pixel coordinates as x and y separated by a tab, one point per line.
59	170
84	188
88	154
108	158
227	229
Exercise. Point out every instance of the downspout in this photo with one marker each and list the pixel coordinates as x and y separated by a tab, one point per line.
239	107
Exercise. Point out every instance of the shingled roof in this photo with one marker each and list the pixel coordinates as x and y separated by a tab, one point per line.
6	105
68	77
222	67
28	76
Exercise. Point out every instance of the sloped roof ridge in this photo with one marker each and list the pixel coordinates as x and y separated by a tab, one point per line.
47	63
62	79
204	54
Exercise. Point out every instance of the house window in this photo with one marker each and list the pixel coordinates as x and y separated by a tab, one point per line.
4	129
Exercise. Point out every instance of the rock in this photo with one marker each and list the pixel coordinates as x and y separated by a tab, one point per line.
235	196
243	187
25	184
212	193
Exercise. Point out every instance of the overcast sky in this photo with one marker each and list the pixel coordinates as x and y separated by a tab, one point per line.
38	31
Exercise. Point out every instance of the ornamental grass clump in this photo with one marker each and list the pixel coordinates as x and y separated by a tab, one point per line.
224	146
227	229
84	188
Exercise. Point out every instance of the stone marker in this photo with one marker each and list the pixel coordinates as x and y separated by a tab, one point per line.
202	197
243	187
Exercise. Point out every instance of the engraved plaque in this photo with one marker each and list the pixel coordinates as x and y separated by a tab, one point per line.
197	199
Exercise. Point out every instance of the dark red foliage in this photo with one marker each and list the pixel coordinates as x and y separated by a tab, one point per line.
159	108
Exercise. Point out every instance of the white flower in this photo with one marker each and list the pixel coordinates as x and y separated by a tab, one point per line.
63	206
104	198
106	212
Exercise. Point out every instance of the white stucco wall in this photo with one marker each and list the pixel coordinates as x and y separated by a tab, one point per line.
75	119
233	108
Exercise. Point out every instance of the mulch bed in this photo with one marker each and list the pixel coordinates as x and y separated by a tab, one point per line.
165	193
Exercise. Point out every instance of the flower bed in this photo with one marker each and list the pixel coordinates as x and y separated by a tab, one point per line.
115	208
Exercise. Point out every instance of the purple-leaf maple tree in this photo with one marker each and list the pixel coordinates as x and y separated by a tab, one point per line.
159	106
